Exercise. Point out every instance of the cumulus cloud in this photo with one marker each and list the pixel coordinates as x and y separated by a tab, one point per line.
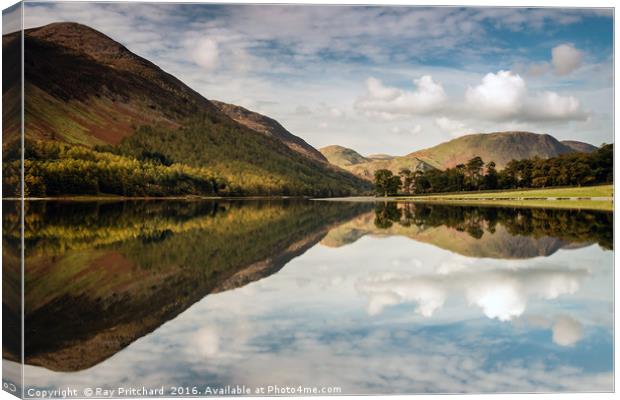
500	95
549	105
565	58
428	97
206	53
503	96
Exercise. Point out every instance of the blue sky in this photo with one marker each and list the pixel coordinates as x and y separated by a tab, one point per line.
379	79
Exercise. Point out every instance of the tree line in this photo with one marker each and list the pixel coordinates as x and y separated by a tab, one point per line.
55	169
572	169
575	226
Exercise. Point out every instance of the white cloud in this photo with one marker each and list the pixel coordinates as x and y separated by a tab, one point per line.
452	127
206	53
428	97
503	96
499	95
565	59
552	106
500	293
206	341
567	331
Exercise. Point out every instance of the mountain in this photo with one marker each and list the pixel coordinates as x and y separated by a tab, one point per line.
367	170
342	156
500	147
365	167
578	146
270	127
126	105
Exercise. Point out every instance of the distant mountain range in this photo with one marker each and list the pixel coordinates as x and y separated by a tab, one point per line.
83	88
500	147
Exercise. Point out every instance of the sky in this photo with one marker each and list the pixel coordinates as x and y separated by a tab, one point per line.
378	79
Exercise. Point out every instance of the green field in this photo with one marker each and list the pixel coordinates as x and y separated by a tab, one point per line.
534	194
591	197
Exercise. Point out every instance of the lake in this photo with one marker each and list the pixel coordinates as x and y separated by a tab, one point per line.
356	298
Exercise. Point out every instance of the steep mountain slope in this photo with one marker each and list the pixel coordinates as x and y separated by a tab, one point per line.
578	146
342	156
500	147
270	127
83	88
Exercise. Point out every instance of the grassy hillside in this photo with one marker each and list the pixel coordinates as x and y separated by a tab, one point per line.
500	147
342	156
126	105
579	146
367	170
270	127
365	167
241	161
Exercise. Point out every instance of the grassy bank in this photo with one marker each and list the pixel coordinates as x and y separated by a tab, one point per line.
586	192
587	198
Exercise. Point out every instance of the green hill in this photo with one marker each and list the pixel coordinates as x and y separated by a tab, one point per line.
126	105
342	156
365	167
500	147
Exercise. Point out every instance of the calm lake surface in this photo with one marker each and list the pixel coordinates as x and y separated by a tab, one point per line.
370	298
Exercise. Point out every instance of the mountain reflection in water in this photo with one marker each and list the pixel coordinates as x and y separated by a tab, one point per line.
391	274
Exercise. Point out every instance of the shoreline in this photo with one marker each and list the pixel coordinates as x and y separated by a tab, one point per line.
592	197
595	204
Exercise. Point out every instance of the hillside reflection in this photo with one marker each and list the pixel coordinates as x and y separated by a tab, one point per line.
99	275
508	233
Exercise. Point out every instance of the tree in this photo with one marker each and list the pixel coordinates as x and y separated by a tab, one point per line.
490	178
407	179
474	171
386	214
386	183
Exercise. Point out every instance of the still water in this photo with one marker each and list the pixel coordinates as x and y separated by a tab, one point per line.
356	298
